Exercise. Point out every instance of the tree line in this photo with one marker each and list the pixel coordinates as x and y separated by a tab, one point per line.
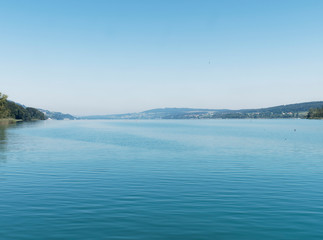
9	109
315	113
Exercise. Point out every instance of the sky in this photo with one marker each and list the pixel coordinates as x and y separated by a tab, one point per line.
119	56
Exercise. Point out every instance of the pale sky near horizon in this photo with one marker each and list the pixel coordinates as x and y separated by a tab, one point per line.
105	57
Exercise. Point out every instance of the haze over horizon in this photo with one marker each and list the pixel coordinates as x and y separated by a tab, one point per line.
109	57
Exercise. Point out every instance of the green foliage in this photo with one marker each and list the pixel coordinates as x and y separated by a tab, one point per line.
35	114
9	109
315	113
25	114
4	111
18	112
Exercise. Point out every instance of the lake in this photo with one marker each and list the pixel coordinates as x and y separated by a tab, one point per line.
162	179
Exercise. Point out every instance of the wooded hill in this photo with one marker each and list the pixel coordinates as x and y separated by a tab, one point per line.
9	109
298	110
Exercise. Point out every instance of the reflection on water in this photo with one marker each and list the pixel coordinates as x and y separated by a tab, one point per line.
9	139
3	142
4	128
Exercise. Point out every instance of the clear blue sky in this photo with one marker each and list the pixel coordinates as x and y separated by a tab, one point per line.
101	57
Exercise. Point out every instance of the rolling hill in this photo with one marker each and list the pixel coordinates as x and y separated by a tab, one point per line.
298	110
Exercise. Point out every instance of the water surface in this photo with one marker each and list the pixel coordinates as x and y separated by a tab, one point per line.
171	179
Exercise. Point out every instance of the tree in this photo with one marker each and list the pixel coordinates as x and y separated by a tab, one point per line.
4	111
315	113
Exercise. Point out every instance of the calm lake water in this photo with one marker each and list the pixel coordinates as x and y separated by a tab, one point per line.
190	179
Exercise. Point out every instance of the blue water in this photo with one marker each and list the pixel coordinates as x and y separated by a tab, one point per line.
190	179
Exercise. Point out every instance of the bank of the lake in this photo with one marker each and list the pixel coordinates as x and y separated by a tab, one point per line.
6	121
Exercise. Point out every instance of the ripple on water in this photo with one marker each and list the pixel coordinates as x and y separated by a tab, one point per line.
162	180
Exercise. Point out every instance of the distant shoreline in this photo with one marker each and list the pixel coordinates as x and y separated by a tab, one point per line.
297	110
